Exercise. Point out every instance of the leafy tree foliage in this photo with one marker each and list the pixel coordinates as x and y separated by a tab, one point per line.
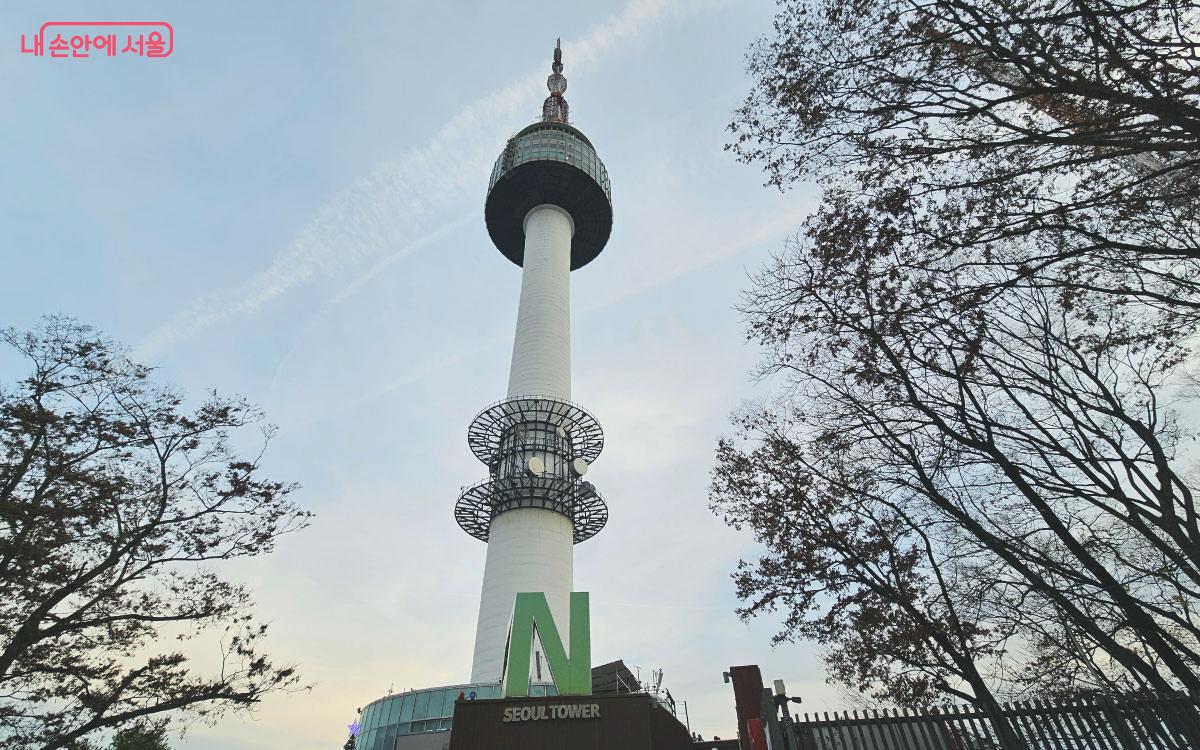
116	505
970	481
142	736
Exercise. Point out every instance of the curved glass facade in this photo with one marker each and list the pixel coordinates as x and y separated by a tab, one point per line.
554	142
428	710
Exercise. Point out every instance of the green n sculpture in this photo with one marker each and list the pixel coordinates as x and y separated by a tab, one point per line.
572	674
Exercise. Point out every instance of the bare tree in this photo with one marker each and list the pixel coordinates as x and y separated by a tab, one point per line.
116	506
1056	140
978	324
853	570
1037	435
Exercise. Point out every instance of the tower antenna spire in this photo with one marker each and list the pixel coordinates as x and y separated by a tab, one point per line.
555	108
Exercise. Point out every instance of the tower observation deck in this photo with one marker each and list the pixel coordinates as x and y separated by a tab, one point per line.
548	210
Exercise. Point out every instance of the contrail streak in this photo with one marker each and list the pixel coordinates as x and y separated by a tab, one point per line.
764	234
399	202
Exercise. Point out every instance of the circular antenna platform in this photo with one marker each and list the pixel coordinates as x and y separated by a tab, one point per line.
578	501
490	426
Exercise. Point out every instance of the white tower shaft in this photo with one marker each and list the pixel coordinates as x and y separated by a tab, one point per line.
531	549
541	358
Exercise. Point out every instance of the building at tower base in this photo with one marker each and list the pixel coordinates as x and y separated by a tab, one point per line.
423	719
580	722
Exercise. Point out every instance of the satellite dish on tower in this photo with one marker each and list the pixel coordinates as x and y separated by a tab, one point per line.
536	466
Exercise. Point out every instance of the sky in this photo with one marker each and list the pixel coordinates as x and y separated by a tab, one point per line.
290	208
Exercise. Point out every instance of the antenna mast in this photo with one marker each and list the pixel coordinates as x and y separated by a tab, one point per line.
555	109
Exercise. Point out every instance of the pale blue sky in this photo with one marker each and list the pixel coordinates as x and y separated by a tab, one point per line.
291	208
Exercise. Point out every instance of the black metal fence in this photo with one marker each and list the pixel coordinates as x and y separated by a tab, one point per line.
1140	723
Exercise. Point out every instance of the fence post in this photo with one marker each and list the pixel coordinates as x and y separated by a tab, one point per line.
804	737
1116	718
1008	738
1180	714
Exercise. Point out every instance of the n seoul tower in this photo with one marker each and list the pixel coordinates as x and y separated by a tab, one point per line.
549	210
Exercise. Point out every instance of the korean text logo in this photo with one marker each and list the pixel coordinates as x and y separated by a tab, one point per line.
82	39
